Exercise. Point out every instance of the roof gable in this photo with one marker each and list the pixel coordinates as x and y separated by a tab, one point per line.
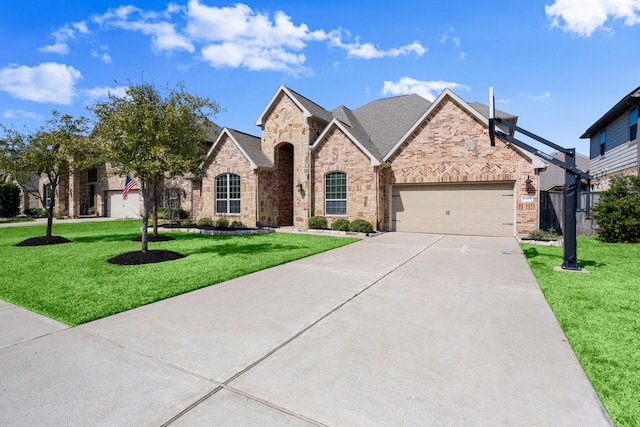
473	112
308	107
248	145
356	135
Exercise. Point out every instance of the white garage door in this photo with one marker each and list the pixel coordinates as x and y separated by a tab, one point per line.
118	208
475	209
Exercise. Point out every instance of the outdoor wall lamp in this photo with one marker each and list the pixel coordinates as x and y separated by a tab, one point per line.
529	185
299	187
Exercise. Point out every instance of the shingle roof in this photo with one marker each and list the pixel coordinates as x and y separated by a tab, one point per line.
311	107
624	104
251	145
484	110
356	130
553	176
387	120
212	131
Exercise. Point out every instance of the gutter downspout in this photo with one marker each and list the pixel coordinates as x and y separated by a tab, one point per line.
377	198
310	196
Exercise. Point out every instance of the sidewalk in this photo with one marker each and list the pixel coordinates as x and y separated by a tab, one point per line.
399	329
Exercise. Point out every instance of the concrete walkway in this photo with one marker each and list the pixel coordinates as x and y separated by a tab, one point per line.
399	329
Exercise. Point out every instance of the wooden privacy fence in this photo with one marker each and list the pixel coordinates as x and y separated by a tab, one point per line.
552	213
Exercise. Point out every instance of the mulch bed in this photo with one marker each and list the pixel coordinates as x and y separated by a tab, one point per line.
43	240
149	257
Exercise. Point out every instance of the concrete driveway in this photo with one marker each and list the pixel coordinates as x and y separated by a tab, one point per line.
399	329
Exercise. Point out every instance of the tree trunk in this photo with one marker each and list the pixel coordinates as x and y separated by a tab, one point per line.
50	210
146	201
50	219
155	207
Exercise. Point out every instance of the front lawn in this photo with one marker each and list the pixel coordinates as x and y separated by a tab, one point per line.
600	314
74	283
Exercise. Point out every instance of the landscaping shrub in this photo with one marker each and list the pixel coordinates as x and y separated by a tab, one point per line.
360	226
36	212
318	222
9	200
543	235
60	214
340	224
172	213
222	222
237	224
618	210
205	222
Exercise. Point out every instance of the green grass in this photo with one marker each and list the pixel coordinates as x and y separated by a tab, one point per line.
73	282
600	314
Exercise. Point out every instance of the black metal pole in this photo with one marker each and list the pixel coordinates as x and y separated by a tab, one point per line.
570	209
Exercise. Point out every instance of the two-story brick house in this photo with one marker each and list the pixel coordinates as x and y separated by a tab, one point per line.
613	141
402	163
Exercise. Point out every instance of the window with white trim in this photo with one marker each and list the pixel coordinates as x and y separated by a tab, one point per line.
335	193
228	194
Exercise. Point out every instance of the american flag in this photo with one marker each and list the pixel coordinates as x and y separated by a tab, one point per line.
128	185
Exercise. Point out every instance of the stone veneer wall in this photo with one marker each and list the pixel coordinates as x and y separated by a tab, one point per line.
227	158
285	123
336	153
452	146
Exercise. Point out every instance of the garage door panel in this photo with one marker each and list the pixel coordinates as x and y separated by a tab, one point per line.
119	208
480	209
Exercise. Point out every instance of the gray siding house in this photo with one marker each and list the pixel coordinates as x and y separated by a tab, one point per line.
614	141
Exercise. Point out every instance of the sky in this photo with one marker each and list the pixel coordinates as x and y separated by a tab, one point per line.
557	65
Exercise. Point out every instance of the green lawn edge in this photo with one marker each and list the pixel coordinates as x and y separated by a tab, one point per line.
600	315
74	284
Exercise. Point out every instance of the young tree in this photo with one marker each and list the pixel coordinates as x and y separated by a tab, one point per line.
54	150
148	135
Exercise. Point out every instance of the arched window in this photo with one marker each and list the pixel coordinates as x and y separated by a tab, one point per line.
228	194
335	193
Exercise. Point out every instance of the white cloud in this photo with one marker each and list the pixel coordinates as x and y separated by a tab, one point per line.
102	54
369	51
254	40
164	36
584	17
427	89
47	82
541	97
239	37
21	114
62	35
59	47
103	92
230	36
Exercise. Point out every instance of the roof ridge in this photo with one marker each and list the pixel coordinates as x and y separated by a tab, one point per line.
305	98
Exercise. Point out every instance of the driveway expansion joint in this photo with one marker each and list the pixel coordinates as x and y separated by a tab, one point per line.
225	384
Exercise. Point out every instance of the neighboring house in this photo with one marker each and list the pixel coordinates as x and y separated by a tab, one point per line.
552	178
552	181
401	163
99	190
614	141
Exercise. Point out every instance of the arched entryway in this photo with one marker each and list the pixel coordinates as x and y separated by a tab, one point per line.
283	159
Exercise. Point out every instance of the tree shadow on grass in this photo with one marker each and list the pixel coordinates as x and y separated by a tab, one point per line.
243	249
589	263
106	238
531	253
